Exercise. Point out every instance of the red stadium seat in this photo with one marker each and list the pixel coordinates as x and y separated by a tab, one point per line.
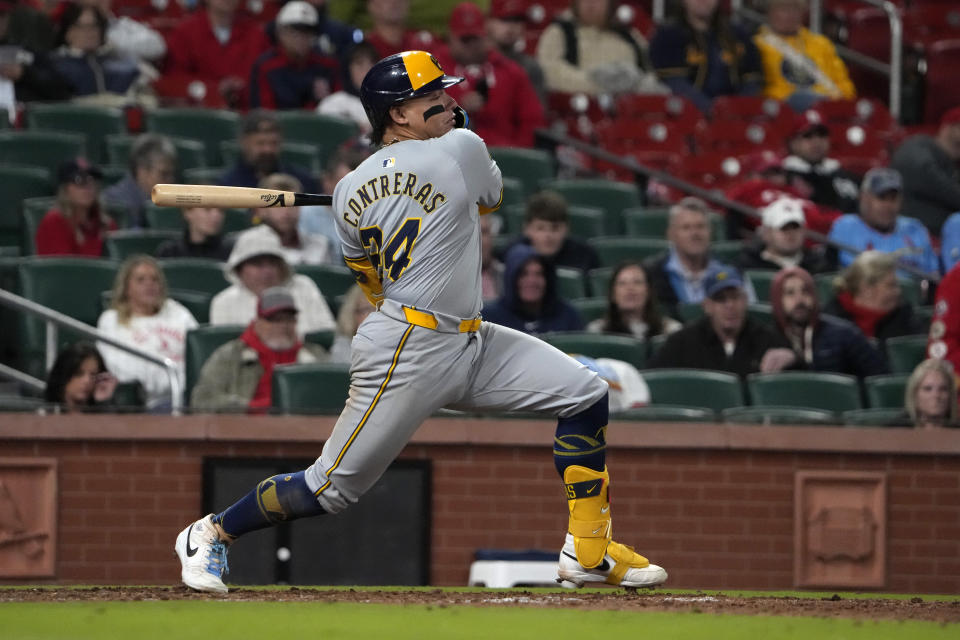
942	89
925	24
737	137
857	140
658	107
628	136
866	112
715	170
563	105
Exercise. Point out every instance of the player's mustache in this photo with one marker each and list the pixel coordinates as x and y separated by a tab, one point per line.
433	111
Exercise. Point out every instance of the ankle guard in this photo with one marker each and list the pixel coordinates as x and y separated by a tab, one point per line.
589	504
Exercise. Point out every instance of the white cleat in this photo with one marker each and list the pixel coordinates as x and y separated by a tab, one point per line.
203	556
637	573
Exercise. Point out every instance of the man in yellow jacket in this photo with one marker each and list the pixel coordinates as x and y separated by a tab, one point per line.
800	67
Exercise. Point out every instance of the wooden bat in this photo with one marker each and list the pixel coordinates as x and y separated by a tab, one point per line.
202	195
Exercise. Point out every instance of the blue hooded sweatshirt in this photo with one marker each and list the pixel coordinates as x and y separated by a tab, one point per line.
555	314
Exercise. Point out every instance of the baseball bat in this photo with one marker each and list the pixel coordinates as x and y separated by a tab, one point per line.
202	195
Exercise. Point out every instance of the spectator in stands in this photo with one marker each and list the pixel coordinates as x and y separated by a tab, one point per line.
507	29
631	310
354	310
257	263
346	102
237	377
546	228
588	50
26	72
950	242
153	160
810	170
503	105
91	70
868	294
76	225
389	33
880	226
679	275
529	302
821	342
931	395
944	336
29	25
700	55
293	74
335	38
260	144
316	220
779	242
143	316
726	338
284	224
79	381
202	236
800	67
128	37
491	269
930	174
215	46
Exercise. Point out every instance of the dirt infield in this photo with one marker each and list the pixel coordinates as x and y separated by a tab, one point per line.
878	608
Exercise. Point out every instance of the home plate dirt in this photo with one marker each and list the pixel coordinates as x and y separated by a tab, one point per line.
916	608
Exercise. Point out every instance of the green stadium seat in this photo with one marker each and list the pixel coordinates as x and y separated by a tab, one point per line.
590	308
120	245
164	218
612	197
191	154
312	388
827	391
203	175
92	122
295	153
512	194
886	391
666	413
651	222
209	126
328	133
774	415
585	222
910	291
599	345
615	249
599	280
761	279
129	397
688	312
906	352
40	149
762	313
332	280
200	345
924	315
34	209
570	283
824	284
323	338
876	418
112	174
726	251
20	404
194	274
716	390
531	166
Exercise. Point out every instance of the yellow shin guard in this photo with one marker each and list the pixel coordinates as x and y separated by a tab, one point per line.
590	523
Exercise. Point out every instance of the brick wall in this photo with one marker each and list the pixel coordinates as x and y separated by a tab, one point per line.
715	515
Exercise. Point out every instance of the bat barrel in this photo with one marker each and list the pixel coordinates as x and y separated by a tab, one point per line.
197	195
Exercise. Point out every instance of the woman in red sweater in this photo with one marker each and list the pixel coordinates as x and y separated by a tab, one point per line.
75	225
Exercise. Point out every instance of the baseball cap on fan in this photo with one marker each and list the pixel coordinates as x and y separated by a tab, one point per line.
809	122
783	211
74	168
274	300
721	278
881	180
467	20
299	15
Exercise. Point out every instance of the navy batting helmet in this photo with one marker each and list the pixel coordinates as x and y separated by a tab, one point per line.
397	78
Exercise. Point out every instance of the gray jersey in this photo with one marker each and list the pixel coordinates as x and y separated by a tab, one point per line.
420	198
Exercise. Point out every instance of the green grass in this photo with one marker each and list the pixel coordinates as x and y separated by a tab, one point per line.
265	620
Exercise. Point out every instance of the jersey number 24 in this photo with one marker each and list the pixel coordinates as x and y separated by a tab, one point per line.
393	257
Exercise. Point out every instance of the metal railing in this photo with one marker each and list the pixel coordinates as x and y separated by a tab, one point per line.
54	320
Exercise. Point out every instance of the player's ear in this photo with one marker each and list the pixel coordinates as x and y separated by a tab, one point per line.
398	114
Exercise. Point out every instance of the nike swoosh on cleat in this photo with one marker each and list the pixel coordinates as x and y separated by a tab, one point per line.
605	509
597	530
603	566
191	552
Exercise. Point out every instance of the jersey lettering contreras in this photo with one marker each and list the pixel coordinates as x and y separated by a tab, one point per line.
411	210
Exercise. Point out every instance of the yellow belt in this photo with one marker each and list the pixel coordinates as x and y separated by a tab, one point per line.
427	320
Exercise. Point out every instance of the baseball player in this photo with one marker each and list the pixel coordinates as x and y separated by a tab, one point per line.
408	221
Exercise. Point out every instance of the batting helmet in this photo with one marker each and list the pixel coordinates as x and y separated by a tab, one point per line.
397	78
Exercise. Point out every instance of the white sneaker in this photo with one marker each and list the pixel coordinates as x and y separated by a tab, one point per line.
203	556
640	573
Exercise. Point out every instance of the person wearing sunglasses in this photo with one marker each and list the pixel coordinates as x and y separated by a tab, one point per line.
76	225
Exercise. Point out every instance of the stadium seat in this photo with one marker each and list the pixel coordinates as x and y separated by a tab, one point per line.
906	352
92	122
194	274
191	154
332	280
171	219
710	169
716	390
22	404
200	345
941	91
663	107
736	137
584	222
615	249
688	312
326	132
727	250
120	245
824	285
312	388
34	209
128	397
209	126
203	175
530	166
599	345
827	391
570	283
910	291
295	153
590	308
40	149
761	279
762	313
925	315
876	418
652	222
599	280
778	415
612	197
666	413
751	109
512	193
324	338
